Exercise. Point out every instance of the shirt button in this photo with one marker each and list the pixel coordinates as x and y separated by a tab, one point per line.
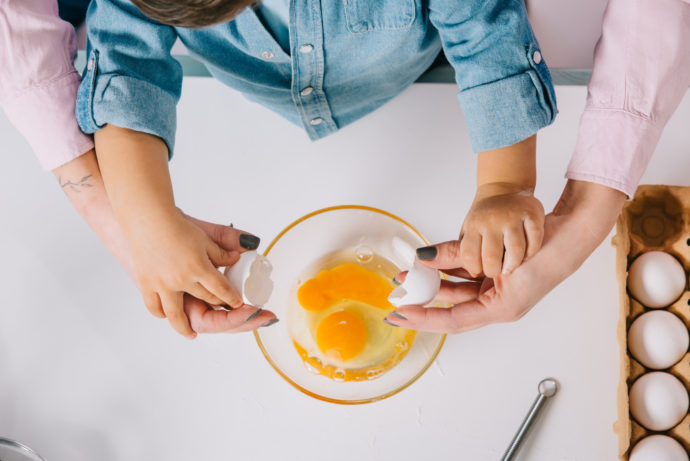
307	91
267	55
316	121
536	57
306	49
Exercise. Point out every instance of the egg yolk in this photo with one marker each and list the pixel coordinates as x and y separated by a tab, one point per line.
342	335
346	281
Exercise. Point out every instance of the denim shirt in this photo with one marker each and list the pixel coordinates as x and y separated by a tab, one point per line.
346	58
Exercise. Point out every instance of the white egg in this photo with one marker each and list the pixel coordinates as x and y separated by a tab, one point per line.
658	339
656	279
421	285
658	448
658	401
251	276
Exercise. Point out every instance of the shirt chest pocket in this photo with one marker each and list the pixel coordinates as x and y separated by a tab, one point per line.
368	15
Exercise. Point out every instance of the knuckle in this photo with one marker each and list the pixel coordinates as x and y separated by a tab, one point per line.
198	266
468	253
491	259
219	233
453	250
178	280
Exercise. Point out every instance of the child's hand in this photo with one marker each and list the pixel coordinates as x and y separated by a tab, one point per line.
502	220
174	256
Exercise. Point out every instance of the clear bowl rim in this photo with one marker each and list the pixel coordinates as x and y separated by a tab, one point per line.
307	391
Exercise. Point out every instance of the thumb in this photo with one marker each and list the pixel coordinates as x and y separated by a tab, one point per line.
220	257
444	255
228	237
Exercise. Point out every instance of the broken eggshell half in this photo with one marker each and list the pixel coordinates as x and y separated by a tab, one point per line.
251	276
421	285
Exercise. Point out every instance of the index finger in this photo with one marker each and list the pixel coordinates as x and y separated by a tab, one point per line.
217	284
205	320
465	316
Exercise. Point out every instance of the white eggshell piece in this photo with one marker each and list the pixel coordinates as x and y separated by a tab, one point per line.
656	279
251	276
658	448
420	287
658	339
658	401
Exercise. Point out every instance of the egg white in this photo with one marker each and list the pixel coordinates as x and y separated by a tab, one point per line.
383	341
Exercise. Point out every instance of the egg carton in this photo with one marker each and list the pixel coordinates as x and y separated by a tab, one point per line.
658	218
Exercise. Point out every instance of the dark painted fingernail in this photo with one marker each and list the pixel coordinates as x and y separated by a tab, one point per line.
270	322
254	315
398	316
391	324
427	253
395	281
231	225
249	241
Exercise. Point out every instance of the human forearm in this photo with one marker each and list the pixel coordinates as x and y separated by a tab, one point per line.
585	213
135	173
512	168
83	185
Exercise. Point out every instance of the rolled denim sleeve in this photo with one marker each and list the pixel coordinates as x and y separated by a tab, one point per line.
131	80
506	91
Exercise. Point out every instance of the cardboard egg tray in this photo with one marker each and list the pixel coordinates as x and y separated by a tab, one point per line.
658	218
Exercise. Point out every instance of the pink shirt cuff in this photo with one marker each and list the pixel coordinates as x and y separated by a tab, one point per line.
44	115
613	149
639	78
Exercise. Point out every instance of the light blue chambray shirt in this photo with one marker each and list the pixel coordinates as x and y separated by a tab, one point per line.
346	58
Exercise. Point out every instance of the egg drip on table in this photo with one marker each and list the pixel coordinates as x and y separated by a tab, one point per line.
337	323
652	262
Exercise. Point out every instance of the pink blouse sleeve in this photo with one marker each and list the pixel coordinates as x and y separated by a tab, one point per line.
38	83
641	72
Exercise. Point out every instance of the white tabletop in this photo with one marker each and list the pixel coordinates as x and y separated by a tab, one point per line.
87	374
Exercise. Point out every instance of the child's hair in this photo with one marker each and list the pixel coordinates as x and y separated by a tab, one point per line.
192	13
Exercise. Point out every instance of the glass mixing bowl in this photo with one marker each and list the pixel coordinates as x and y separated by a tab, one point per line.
293	251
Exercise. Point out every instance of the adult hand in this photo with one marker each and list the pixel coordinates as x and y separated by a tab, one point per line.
205	318
581	220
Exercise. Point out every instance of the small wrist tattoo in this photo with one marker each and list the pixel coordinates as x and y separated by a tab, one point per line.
77	186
